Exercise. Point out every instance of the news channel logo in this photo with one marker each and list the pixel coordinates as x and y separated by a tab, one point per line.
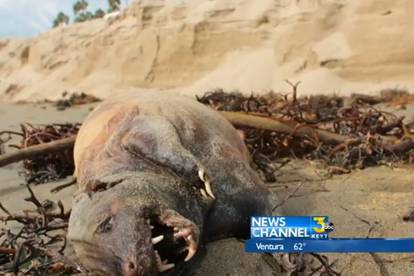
289	227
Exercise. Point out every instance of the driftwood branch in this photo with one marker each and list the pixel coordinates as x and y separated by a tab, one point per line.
32	151
392	145
242	119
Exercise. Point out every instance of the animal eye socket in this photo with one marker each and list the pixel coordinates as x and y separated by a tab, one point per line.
105	226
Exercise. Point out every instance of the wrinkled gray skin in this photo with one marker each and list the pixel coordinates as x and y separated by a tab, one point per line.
137	157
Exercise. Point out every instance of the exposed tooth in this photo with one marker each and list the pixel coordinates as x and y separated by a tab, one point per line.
151	227
148	221
157	239
201	174
203	193
183	233
192	248
208	189
190	254
162	265
191	243
165	267
204	178
158	258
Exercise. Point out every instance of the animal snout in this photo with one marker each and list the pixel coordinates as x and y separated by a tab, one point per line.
131	268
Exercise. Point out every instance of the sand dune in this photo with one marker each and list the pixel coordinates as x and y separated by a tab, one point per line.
190	46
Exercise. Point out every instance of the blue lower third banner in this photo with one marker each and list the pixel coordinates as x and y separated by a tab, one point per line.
340	245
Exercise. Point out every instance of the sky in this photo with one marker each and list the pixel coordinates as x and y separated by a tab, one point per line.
26	18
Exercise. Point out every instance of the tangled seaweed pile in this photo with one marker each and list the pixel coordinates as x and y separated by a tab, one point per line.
345	133
48	167
35	245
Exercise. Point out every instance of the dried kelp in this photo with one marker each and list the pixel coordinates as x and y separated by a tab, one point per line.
47	167
371	136
368	135
35	244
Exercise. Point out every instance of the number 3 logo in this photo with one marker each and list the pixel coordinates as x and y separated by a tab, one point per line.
320	221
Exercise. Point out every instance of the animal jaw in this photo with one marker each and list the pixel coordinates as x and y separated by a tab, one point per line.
174	238
162	236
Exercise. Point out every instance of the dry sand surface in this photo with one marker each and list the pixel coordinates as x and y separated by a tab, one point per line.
189	46
365	202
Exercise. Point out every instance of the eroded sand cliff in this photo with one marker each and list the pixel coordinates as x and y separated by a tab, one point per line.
191	46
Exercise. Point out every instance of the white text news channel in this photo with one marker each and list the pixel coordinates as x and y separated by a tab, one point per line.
289	234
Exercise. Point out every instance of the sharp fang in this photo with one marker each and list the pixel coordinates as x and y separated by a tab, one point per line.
201	175
204	178
203	193
190	254
192	248
151	227
165	267
162	265
157	239
208	189
157	256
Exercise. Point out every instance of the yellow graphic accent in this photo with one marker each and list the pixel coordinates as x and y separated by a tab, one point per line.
321	222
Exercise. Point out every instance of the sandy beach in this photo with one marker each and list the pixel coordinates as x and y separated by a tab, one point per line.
190	47
364	202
